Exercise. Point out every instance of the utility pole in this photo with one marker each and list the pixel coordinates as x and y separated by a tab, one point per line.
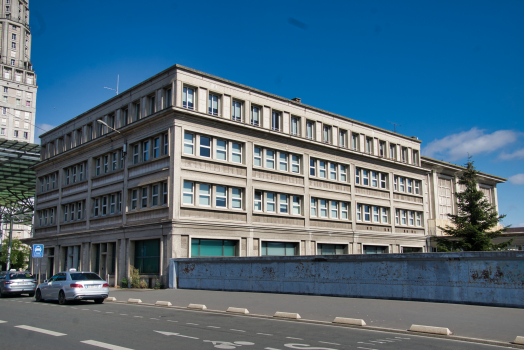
395	126
10	240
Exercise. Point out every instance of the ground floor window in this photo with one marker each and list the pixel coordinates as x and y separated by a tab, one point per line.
213	247
147	256
331	249
406	250
373	249
279	248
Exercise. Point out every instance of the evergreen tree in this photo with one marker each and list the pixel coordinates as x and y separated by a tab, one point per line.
474	225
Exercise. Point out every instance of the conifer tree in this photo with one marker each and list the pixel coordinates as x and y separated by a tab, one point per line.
474	225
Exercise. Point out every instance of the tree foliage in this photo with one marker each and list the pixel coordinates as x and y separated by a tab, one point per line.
19	254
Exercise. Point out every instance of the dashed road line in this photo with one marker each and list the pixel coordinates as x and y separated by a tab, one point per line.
3	321
213	327
41	330
123	314
151	318
236	330
294	338
193	324
138	316
171	321
104	345
360	347
326	342
270	335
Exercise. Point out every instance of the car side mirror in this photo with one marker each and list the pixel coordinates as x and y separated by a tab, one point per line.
45	281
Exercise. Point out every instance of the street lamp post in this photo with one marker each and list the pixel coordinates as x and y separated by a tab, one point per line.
124	148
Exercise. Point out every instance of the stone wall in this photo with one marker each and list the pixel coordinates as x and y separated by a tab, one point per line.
486	278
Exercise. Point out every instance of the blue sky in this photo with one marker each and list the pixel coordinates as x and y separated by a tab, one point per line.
449	72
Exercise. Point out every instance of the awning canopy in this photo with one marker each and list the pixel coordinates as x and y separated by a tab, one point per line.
17	177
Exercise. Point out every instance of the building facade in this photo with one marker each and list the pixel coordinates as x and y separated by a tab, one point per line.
17	80
202	166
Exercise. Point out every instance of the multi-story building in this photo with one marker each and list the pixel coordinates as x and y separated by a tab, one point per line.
17	80
202	166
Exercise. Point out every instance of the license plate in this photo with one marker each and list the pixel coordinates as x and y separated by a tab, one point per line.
92	286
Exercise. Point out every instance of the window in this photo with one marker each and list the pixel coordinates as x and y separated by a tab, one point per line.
295	164
296	205
270	159
355	138
417	186
80	173
374	179
312	167
213	247
342	138
411	216
125	117
282	160
114	160
367	212
213	104
310	129
147	256
189	143
397	217
154	195
145	151
419	219
365	177
326	134
4	110
376	214
369	145
401	184
334	210
415	158
134	199
137	111
204	195
106	164
357	176
96	208
258	201
409	183
403	217
313	207
371	249
164	193
343	173
136	150
144	197
13	36
383	180
236	111
279	249
322	169
384	213
15	134
67	176
65	213
221	197
258	156
331	249
404	155
295	126
79	211
344	212
270	202
156	147
283	204
221	150
205	147
236	198
74	174
166	145
275	120
188	192
382	148
236	152
112	204
104	205
255	115
323	208
333	171
152	105
188	97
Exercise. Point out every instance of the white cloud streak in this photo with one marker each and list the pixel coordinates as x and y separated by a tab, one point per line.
518	154
40	129
517	179
474	141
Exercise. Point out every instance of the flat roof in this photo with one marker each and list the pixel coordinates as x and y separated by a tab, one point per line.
461	168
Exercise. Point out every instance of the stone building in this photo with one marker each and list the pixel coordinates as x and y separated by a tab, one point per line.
202	166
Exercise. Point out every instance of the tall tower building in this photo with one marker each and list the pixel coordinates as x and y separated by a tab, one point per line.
18	80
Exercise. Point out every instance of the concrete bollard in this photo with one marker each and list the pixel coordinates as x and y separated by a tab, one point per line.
430	329
197	306
519	340
291	315
110	299
134	301
238	310
354	321
163	303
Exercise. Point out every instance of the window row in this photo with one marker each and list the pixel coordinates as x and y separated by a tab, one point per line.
278	203
75	173
407	185
213	196
365	177
328	170
325	208
74	211
212	147
46	217
109	162
276	160
48	182
408	218
150	149
372	213
107	205
149	196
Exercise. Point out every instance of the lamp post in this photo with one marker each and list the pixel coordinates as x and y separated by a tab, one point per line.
124	148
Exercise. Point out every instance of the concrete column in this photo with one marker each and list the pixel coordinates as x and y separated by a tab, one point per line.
306	202
286	120
334	135
175	137
249	195
201	100
177	101
89	176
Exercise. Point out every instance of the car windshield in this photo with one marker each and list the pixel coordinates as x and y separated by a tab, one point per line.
21	276
86	276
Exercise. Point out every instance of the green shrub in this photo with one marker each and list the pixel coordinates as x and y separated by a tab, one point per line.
135	278
124	283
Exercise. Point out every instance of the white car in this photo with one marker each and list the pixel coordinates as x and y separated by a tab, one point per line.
73	285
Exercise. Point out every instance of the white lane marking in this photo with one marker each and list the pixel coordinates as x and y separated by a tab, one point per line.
213	327
294	338
154	318
177	334
104	345
138	316
326	342
236	330
40	330
360	347
96	310
123	314
194	324
3	321
109	312
171	321
266	334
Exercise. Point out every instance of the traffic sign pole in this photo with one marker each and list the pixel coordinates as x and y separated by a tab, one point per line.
38	253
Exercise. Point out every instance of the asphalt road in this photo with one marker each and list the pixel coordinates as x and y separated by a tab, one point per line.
26	324
473	321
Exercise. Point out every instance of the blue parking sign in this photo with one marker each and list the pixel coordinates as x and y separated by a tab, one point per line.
38	250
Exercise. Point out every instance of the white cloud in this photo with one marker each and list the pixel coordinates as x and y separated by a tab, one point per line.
40	129
474	141
517	179
518	154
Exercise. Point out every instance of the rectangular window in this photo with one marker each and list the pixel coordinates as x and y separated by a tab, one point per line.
344	211
188	192
334	209
221	197
147	256
409	183
258	201
365	177
371	249
326	134
144	198
397	217
357	176
156	147
114	160
374	179
205	146
104	205
164	193
106	164
411	218
255	115
417	186
415	158
401	185
322	169
137	111
355	141
236	198
270	159
313	207
295	164
282	161
275	121
404	155
296	205
258	156
213	104
97	206
53	178
312	167
65	213
323	208
152	105
279	249
237	111
284	205
369	145
236	152
270	202
330	249
145	151
367	212
403	217
213	247
333	171
419	219
295	126
392	151
74	176
384	212
359	212
136	157
166	145
154	195
383	180
189	143
169	101
382	148
310	129
188	97
67	176
376	214
342	138
221	151
79	211
112	204
204	195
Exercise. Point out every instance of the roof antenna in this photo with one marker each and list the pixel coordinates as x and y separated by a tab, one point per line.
117	81
395	126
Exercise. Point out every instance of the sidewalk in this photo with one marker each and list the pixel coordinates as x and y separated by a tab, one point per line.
483	322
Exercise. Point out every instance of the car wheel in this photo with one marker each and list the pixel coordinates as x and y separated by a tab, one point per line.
99	300
61	298
38	296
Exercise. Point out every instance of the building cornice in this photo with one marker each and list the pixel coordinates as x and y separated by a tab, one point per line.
459	168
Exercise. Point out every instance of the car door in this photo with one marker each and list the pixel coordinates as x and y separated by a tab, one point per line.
56	285
45	287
